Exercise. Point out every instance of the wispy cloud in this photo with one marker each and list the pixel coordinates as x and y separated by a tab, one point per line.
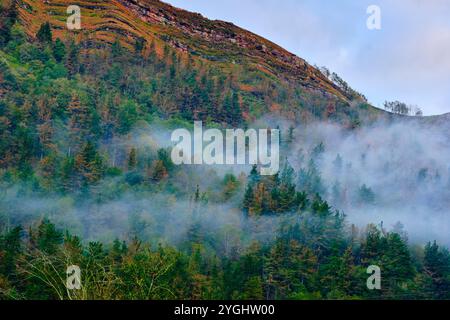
408	59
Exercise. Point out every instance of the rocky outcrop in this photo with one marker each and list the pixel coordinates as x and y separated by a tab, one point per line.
189	32
230	38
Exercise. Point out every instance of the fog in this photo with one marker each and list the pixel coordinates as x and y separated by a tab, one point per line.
405	165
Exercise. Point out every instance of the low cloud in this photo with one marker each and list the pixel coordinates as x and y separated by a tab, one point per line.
408	59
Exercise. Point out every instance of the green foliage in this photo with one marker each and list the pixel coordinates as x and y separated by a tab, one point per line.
296	265
59	50
48	238
44	33
436	268
10	246
391	254
366	195
139	45
62	111
310	181
8	16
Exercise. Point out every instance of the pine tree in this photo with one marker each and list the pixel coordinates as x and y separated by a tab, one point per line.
366	195
290	135
287	193
139	45
339	275
48	237
261	201
79	123
235	112
231	184
436	267
72	60
159	171
8	16
59	50
197	194
165	158
132	159
254	177
44	34
289	269
247	204
10	248
253	289
117	49
45	128
89	164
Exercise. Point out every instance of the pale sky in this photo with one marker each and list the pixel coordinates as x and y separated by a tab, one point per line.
407	60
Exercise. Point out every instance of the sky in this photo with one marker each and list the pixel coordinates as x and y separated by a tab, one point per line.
408	59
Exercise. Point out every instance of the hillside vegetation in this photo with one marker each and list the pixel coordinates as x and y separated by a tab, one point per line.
85	178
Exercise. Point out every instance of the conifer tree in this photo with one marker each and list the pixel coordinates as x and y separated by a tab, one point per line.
59	50
8	16
72	59
48	237
248	200
437	270
132	159
79	122
44	34
10	248
235	112
159	171
89	164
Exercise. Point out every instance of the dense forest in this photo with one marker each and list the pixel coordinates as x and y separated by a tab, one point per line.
84	180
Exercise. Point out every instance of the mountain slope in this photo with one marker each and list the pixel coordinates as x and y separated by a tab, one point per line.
152	20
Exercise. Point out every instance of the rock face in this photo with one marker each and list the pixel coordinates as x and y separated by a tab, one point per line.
153	20
230	40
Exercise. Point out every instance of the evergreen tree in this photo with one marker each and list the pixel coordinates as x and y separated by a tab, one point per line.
436	267
80	121
44	35
139	45
253	289
254	176
290	138
232	110
366	195
248	200
59	50
8	16
72	59
117	49
231	184
10	248
287	193
48	237
289	268
132	159
235	113
159	171
89	164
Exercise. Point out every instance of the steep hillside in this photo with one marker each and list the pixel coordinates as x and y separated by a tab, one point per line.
85	158
189	32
